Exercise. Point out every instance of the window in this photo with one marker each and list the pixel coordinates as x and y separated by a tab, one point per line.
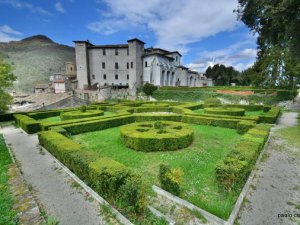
176	58
116	65
131	64
93	76
127	51
146	63
116	76
104	76
127	76
116	52
103	65
127	84
71	68
128	65
104	52
120	83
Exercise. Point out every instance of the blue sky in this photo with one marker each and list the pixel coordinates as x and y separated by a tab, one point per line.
205	32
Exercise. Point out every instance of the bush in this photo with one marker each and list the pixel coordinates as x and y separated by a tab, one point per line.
212	101
114	181
233	171
156	136
148	89
211	121
28	124
80	114
244	126
170	179
101	124
225	111
271	116
110	179
83	108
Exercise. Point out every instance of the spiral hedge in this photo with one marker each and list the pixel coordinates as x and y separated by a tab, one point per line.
79	114
225	111
156	136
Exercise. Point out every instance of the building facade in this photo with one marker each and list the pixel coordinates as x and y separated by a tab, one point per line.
131	65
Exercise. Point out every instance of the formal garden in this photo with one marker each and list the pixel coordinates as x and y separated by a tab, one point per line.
201	152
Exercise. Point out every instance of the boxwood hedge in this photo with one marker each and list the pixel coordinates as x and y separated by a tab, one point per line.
156	136
79	114
114	181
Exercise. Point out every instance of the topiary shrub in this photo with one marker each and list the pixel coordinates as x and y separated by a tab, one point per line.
170	179
212	101
156	136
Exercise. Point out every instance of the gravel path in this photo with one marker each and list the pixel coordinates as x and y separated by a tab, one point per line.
274	197
59	195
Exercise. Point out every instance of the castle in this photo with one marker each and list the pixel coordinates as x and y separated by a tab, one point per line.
129	66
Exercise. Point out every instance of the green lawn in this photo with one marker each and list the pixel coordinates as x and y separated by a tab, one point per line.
6	202
198	161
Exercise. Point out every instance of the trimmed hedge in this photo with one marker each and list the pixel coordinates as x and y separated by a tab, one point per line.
271	116
152	109
82	127
233	171
115	182
80	114
156	136
147	117
28	124
170	179
244	126
211	121
155	104
225	111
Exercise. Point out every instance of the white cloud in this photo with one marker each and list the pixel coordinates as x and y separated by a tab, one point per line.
175	23
8	34
59	7
238	55
23	5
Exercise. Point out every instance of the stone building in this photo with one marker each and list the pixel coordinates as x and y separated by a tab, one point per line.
66	80
129	66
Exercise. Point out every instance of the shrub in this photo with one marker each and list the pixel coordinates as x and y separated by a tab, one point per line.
110	179
28	124
225	111
80	114
211	121
170	179
148	89
244	126
232	172
114	181
212	101
156	136
83	108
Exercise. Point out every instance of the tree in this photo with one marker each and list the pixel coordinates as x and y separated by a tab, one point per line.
277	24
222	75
6	81
148	89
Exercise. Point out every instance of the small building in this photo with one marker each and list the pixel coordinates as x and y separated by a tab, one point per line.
66	80
41	88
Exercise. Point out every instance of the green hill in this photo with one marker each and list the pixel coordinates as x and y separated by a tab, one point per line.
34	59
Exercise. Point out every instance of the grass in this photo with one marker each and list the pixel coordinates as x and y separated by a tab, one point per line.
7	215
198	162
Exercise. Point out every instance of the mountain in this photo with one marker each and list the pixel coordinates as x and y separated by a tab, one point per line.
34	59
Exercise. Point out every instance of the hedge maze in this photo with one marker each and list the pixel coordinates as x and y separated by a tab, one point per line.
145	130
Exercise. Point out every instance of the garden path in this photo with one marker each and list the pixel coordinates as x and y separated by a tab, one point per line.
54	189
274	197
